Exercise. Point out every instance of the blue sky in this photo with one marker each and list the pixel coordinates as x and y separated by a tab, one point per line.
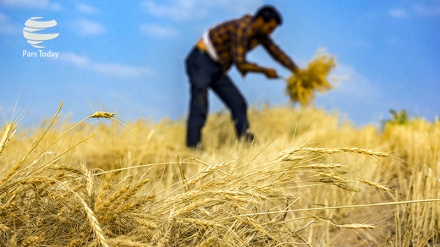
128	56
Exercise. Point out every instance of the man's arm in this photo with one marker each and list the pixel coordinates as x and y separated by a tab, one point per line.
239	56
252	67
277	54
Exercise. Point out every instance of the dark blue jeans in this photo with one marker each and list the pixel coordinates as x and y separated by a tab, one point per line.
205	73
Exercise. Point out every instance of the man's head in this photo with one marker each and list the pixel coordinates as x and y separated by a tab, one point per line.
267	18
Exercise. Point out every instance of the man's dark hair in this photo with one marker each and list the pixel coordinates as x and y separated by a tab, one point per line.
268	13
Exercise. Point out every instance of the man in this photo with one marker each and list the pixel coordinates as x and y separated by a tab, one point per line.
219	48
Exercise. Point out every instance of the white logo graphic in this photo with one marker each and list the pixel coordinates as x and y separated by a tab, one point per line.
33	26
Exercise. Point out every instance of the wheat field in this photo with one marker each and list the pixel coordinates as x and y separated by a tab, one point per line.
310	179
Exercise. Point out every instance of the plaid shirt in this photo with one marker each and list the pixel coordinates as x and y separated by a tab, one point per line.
233	39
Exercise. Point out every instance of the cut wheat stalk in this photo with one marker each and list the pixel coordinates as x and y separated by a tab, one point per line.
302	84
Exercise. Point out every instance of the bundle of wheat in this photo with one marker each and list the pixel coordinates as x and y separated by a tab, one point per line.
301	85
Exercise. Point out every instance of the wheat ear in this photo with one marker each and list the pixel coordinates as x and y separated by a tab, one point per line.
9	132
93	222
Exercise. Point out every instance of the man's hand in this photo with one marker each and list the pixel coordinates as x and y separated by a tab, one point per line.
252	67
271	73
294	69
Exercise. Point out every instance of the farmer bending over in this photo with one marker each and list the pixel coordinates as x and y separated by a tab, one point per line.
213	55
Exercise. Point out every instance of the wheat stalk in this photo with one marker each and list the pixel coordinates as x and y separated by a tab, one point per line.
378	186
102	193
15	168
129	194
30	241
93	221
7	135
217	194
99	207
302	84
339	150
90	182
344	206
3	228
13	240
357	226
124	241
76	242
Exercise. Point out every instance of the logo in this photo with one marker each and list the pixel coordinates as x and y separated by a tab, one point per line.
34	31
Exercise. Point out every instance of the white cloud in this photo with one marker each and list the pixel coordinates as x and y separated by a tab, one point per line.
40	4
427	11
159	31
353	85
355	96
87	27
175	9
420	10
190	9
239	7
85	8
108	69
398	13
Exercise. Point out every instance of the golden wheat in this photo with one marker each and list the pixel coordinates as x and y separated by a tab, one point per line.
379	186
302	84
300	185
7	135
102	114
357	226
